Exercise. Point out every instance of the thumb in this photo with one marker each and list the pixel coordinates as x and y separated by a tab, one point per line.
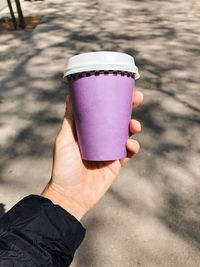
69	108
68	130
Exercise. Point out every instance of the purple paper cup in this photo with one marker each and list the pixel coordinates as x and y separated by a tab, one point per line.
102	106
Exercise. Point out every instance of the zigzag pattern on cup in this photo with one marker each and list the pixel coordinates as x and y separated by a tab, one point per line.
76	76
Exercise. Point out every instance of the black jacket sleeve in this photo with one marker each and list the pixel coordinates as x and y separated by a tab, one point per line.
35	232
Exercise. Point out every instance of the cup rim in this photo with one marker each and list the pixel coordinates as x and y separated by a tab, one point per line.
100	67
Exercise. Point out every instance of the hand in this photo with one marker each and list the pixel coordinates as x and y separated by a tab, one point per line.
76	184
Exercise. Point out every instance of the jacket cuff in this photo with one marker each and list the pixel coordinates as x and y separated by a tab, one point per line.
45	224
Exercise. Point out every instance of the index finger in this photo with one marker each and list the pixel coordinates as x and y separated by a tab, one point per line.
137	99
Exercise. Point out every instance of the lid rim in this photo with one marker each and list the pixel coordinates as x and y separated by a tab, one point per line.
101	60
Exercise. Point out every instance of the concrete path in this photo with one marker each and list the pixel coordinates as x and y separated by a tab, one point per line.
3	4
151	215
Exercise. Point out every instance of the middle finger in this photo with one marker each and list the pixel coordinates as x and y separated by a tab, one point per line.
134	127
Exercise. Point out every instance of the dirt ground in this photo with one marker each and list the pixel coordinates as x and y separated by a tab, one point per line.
6	24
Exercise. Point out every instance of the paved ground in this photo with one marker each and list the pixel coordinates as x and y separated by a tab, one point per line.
3	4
151	215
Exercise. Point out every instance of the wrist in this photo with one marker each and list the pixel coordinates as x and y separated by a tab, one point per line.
66	202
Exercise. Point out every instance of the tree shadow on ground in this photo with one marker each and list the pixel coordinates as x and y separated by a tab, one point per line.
182	216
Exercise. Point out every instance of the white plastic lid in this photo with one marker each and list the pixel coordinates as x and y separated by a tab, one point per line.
101	60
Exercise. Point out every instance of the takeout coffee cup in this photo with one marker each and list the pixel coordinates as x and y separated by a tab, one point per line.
101	88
